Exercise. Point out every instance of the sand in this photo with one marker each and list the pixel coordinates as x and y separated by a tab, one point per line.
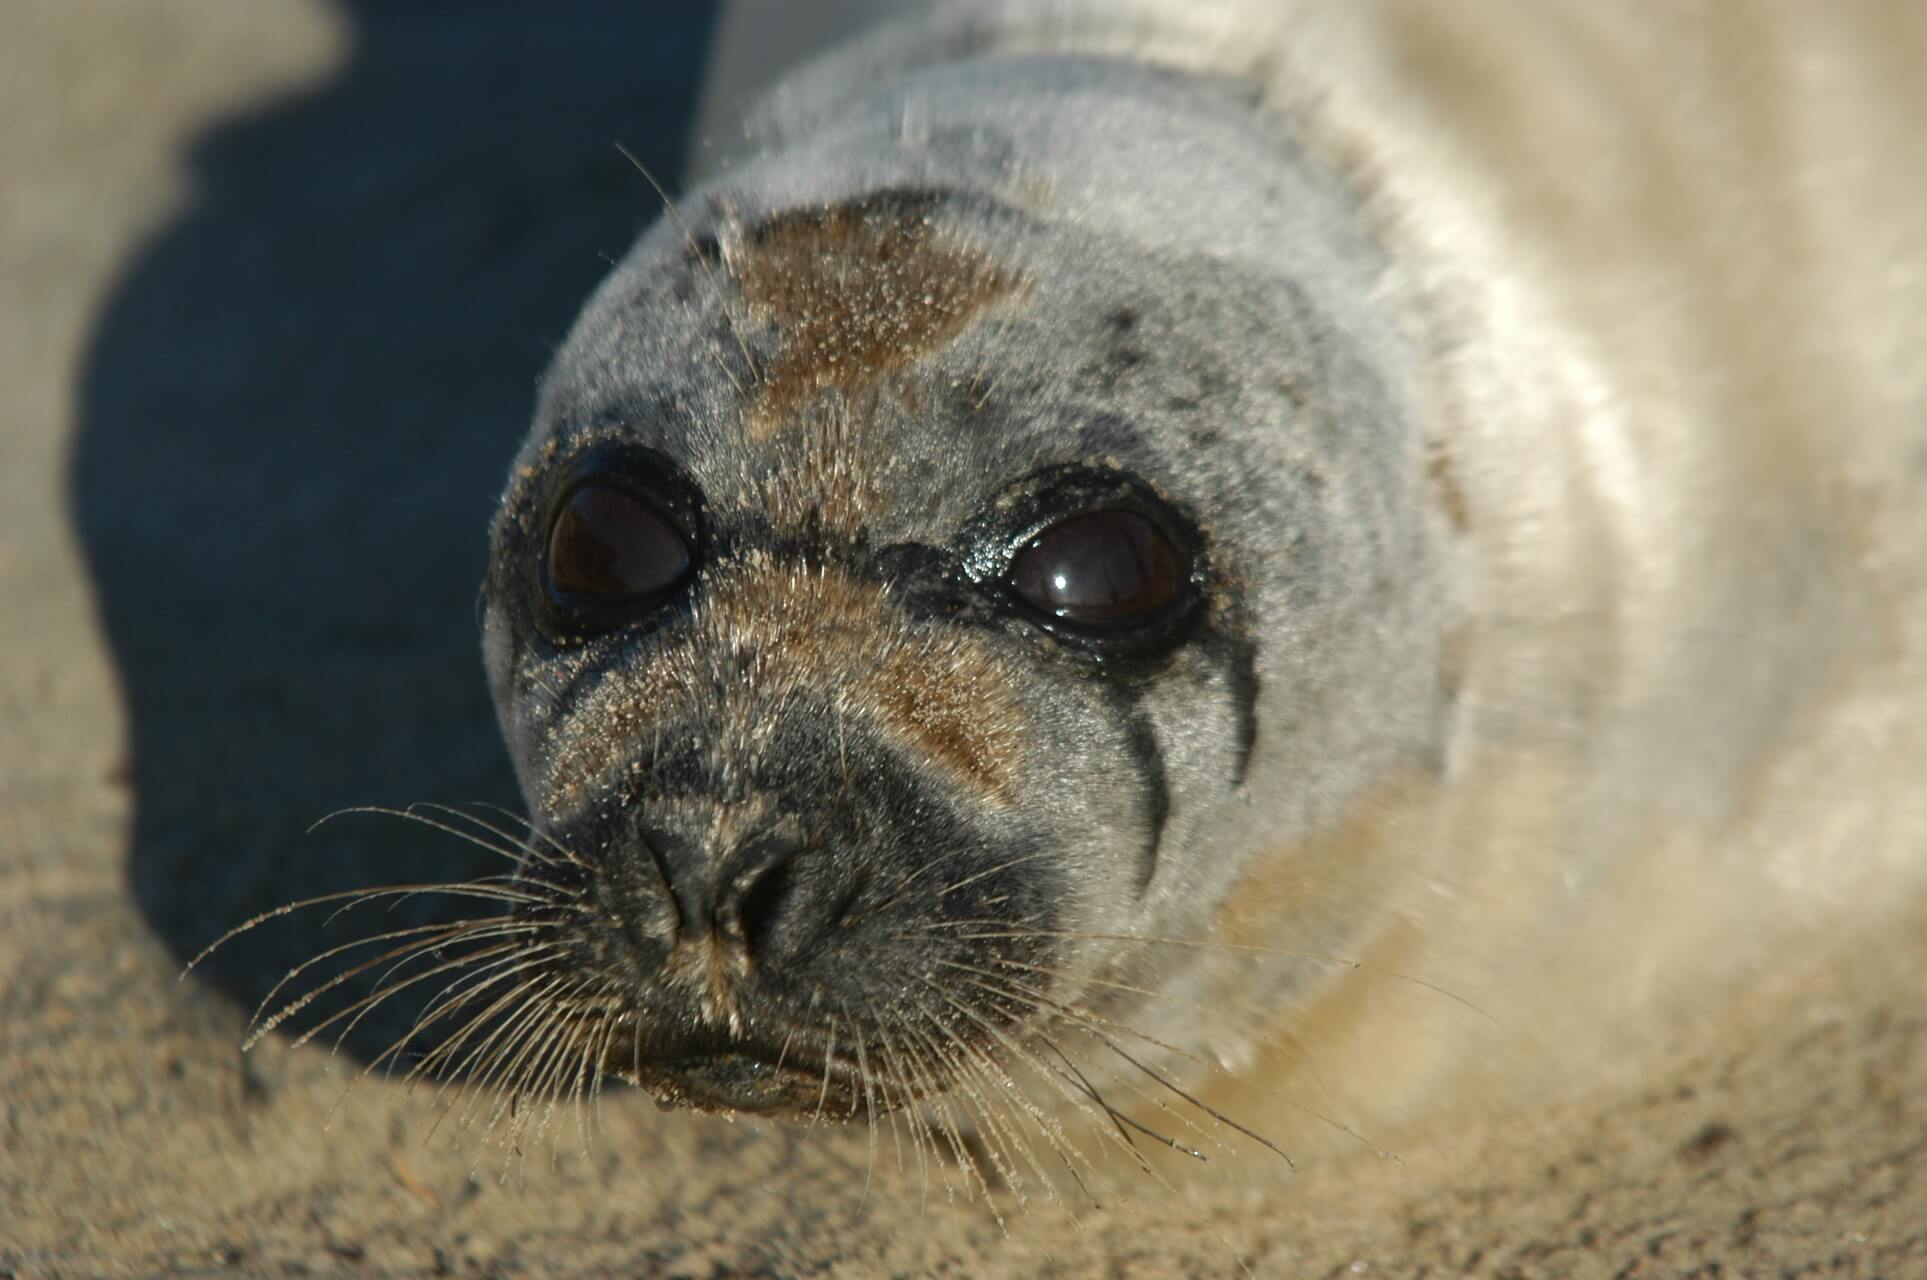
275	280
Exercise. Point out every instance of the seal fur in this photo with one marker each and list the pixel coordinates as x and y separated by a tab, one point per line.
1484	513
1543	608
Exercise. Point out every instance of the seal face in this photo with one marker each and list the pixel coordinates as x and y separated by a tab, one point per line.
874	612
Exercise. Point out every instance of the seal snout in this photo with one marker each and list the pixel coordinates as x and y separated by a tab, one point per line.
726	913
803	938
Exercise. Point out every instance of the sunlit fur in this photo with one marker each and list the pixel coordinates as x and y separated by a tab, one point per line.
1552	422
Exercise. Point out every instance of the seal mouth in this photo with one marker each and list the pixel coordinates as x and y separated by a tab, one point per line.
794	1082
741	1082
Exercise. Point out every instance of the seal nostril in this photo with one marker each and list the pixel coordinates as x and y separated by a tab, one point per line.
760	891
761	910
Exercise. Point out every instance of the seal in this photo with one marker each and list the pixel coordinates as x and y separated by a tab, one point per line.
1119	555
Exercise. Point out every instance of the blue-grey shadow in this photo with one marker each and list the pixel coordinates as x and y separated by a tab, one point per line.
298	407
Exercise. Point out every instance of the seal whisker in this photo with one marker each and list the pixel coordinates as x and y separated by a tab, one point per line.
1291	1045
1068	1153
1092	1025
548	1085
461	993
518	997
1000	1128
434	1061
561	1069
511	850
436	934
263	1026
363	1004
1054	1131
527	847
1211	944
965	1050
829	1060
975	1110
1120	1118
586	1078
525	894
702	260
901	889
1066	1149
985	873
894	1055
548	1075
947	1116
511	951
492	1060
354	897
516	1085
894	1076
466	988
923	1124
492	955
1110	1113
869	1106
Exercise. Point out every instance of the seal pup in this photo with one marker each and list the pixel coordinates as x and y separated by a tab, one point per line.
1200	560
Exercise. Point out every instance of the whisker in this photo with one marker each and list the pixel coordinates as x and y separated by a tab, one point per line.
893	1056
722	300
491	1055
901	888
939	1102
1088	1023
371	1001
365	1002
869	1106
539	842
512	1077
529	992
493	955
829	1061
433	1062
1120	1118
1213	945
437	934
452	1000
998	1128
511	850
1322	1117
1060	1140
517	851
527	846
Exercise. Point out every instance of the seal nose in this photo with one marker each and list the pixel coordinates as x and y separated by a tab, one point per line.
743	898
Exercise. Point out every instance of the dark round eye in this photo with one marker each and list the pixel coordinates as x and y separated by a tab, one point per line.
1106	569
610	547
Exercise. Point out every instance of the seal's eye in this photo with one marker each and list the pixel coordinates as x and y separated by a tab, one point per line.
1108	570
610	548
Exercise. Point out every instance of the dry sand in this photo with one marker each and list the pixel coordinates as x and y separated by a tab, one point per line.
275	278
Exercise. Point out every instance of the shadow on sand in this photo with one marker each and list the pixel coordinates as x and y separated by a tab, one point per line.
300	403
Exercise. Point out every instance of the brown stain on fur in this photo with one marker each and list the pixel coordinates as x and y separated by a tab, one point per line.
768	633
857	292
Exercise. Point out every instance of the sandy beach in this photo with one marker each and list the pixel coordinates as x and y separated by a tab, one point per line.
276	280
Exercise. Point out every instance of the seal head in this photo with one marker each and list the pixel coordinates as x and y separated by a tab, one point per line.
944	564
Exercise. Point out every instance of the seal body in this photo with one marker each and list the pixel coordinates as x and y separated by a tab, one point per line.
1119	557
